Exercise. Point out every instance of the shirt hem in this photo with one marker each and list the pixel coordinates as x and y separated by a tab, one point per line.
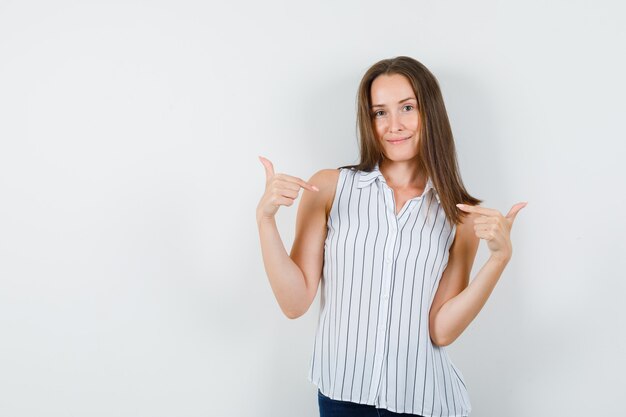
392	409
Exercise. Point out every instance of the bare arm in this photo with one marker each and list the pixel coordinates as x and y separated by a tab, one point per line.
455	315
456	303
445	325
294	278
286	278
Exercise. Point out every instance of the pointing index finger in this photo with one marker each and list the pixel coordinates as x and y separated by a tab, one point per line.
300	182
477	209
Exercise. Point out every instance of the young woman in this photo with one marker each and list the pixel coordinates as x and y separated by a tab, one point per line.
392	241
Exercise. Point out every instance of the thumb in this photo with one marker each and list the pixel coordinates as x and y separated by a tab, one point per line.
514	210
269	168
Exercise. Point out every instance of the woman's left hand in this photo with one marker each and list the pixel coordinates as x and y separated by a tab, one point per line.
495	228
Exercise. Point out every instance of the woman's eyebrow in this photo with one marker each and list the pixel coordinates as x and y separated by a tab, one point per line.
401	101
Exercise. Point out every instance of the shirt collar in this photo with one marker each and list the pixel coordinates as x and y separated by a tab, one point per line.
367	178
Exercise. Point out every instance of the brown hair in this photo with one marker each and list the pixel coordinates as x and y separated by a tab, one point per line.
437	153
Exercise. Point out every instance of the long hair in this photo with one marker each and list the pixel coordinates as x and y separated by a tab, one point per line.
437	153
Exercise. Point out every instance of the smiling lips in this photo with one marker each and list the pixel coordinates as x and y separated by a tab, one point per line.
394	141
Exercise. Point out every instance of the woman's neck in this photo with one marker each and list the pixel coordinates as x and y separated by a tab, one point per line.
403	174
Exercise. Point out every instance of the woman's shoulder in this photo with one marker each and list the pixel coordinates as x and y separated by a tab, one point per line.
326	177
326	180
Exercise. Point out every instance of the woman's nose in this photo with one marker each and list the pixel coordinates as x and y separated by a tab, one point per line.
394	123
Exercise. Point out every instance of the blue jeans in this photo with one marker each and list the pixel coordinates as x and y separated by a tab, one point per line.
335	408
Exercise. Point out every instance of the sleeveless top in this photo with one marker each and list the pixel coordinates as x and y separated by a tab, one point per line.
380	274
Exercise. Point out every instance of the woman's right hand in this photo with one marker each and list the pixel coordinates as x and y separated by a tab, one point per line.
280	190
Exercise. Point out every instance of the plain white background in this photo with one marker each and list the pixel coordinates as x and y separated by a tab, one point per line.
131	278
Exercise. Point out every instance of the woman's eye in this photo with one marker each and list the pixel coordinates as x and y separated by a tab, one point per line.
408	105
376	114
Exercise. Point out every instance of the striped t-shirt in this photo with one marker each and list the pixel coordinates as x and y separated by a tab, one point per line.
380	275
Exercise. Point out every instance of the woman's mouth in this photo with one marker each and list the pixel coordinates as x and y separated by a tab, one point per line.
396	141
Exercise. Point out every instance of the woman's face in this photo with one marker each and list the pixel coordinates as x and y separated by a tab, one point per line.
394	116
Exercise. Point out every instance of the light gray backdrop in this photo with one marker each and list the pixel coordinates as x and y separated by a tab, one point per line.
131	278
